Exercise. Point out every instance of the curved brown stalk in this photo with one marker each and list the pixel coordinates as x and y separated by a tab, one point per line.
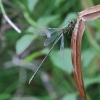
76	56
76	40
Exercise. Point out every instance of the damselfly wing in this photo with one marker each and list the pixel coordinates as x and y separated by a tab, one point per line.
45	31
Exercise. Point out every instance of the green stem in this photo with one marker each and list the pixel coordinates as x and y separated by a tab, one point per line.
2	8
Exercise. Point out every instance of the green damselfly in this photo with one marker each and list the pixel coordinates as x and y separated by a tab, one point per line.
51	35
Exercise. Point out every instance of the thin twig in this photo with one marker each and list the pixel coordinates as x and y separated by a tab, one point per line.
7	18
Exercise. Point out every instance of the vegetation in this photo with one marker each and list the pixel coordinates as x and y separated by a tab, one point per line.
21	54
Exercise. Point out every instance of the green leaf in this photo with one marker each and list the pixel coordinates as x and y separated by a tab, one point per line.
32	4
24	42
56	59
43	21
90	81
36	54
70	97
58	2
87	56
5	96
30	29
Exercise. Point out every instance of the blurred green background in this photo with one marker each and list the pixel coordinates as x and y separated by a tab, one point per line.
21	54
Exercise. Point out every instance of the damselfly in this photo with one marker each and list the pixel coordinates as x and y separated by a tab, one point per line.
51	34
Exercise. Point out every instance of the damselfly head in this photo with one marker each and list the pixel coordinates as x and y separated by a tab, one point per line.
70	23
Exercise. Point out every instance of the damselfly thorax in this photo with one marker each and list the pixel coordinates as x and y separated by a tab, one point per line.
68	28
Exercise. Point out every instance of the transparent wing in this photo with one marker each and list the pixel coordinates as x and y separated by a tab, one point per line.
51	39
62	48
52	30
44	31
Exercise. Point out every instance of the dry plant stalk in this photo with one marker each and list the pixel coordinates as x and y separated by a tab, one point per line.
76	41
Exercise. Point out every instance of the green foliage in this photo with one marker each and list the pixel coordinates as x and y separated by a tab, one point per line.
64	65
70	97
22	44
21	54
36	54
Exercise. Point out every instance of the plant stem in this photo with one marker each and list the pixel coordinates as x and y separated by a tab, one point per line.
7	18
